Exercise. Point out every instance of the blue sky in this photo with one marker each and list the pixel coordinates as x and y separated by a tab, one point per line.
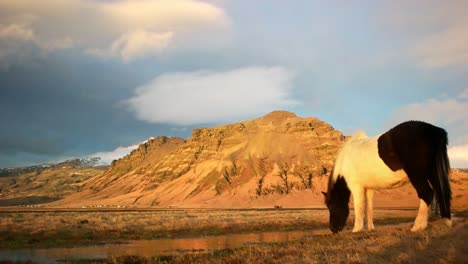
88	77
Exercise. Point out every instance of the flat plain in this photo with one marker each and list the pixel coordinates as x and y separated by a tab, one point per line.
391	242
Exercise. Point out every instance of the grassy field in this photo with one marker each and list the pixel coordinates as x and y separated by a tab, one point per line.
62	228
392	242
389	244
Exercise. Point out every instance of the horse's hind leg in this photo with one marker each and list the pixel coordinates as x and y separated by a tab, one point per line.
425	194
370	209
421	220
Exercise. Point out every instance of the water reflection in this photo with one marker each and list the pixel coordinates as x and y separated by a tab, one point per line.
150	247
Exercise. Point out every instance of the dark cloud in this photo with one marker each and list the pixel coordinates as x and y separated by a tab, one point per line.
61	109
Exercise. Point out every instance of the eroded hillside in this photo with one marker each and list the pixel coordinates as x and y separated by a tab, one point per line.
231	165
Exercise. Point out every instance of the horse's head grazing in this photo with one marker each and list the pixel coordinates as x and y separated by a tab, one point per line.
337	199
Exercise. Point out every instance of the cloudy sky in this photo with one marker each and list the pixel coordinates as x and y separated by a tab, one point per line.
79	77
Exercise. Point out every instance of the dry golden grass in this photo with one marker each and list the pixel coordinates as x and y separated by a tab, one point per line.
389	244
64	228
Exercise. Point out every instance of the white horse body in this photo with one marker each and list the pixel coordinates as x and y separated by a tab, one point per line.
359	163
362	167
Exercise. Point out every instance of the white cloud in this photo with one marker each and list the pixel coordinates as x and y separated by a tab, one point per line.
177	14
459	156
451	111
464	94
210	97
435	33
108	156
124	29
448	111
56	44
136	44
16	32
449	47
13	39
20	43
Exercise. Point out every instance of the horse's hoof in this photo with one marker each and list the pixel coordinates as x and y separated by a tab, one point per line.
448	222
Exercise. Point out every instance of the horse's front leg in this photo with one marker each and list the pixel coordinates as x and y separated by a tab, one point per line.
359	203
370	209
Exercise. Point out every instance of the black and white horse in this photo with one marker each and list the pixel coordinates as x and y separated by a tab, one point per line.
412	151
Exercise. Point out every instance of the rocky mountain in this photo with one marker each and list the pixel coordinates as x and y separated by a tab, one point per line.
45	183
71	163
248	163
140	162
276	160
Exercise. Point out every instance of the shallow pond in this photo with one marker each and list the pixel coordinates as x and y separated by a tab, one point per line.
151	247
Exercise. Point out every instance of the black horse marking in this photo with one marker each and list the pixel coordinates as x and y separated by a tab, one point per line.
337	201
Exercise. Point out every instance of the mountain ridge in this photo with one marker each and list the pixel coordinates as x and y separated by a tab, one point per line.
276	154
278	159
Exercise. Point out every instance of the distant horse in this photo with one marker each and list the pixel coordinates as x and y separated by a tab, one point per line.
412	151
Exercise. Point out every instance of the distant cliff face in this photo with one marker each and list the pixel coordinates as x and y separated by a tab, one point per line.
275	155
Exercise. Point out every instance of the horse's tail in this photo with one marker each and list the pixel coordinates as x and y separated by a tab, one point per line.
440	178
